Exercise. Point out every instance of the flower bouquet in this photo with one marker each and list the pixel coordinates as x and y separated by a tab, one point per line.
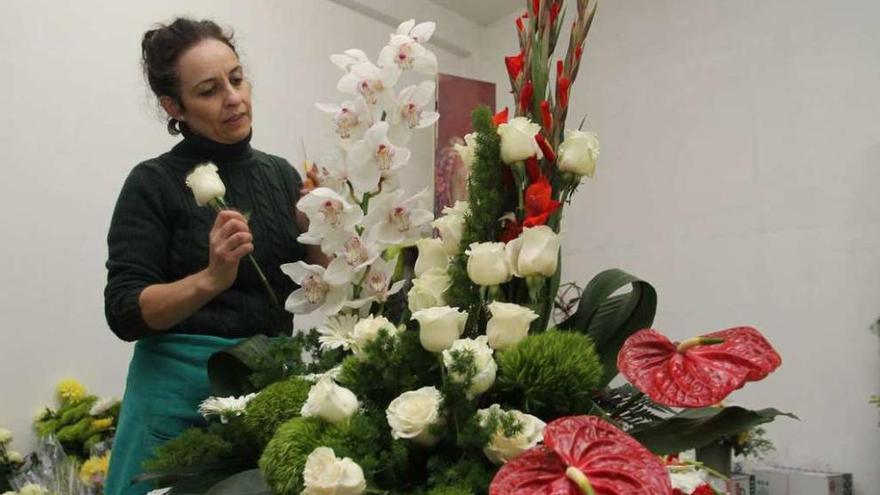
439	369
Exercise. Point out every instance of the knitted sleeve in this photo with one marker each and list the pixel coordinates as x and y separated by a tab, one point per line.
137	250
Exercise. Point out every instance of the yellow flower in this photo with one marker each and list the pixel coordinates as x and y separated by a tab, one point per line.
70	389
102	424
94	467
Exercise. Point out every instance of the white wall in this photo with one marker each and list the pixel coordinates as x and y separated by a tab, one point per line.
739	175
77	115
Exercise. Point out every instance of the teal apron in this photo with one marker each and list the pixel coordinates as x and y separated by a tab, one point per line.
167	380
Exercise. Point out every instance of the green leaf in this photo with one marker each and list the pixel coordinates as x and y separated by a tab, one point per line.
610	319
694	428
229	369
249	482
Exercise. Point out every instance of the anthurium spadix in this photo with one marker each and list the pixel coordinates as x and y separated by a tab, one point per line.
406	50
409	111
374	158
332	219
373	83
395	220
317	292
351	119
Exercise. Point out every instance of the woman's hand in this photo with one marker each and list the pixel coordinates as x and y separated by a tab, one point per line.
230	241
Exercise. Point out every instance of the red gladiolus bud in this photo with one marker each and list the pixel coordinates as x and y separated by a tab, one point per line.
532	169
559	67
578	52
500	117
536	6
563	84
519	24
549	154
554	12
514	65
546	116
525	95
511	231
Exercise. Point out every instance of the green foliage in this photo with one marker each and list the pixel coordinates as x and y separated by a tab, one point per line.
276	404
551	374
471	473
285	456
194	447
630	407
451	490
73	426
366	439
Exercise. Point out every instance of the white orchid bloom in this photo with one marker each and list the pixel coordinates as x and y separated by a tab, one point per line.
332	167
377	284
317	292
406	50
409	111
393	220
373	83
337	332
332	219
351	119
348	58
353	259
374	158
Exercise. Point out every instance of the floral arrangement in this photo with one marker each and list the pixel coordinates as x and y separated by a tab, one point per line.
438	370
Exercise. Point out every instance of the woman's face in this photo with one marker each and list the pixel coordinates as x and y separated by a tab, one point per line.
216	97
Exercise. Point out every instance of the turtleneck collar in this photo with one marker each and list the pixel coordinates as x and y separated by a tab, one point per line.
202	148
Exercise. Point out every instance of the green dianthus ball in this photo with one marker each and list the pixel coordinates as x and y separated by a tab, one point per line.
285	456
451	490
551	374
276	404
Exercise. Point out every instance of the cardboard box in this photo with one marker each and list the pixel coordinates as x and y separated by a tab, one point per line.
796	481
741	484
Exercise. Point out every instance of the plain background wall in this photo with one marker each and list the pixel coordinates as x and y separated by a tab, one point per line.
739	173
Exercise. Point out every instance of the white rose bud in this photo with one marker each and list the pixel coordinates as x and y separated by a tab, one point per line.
367	329
326	474
486	367
578	153
509	324
534	253
330	402
450	226
5	436
467	150
429	290
518	140
205	183
412	414
487	264
440	327
432	255
502	448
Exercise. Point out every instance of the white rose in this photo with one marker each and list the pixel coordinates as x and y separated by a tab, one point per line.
205	183
578	153
432	255
32	489
486	367
467	150
487	264
509	324
367	329
451	226
429	290
413	413
518	140
326	474
440	327
330	402
502	448
534	253
5	436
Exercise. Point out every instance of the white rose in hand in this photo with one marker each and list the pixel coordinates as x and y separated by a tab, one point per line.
578	153
534	253
502	448
518	140
330	402
412	414
440	327
509	324
487	264
206	184
428	290
326	474
432	255
485	365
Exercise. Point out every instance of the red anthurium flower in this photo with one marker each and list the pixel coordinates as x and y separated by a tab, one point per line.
546	149
583	454
500	117
539	203
525	94
563	84
546	116
698	372
514	65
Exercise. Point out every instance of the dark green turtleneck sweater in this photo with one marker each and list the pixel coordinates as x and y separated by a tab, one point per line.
158	234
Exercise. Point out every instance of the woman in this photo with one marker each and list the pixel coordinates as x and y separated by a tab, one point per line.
176	282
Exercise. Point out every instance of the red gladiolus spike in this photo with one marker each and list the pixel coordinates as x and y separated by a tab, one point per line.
563	84
538	198
525	94
536	6
519	24
559	67
554	12
578	52
546	116
500	117
549	154
532	170
514	65
700	375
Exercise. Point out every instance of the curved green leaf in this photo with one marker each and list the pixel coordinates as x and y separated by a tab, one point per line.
694	428
249	482
610	319
229	369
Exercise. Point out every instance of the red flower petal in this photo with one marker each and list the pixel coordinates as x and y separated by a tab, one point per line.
514	65
554	12
546	116
563	86
525	94
559	67
704	489
549	154
500	117
519	24
700	376
538	198
613	462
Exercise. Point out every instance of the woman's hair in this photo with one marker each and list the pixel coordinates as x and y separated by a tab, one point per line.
161	48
